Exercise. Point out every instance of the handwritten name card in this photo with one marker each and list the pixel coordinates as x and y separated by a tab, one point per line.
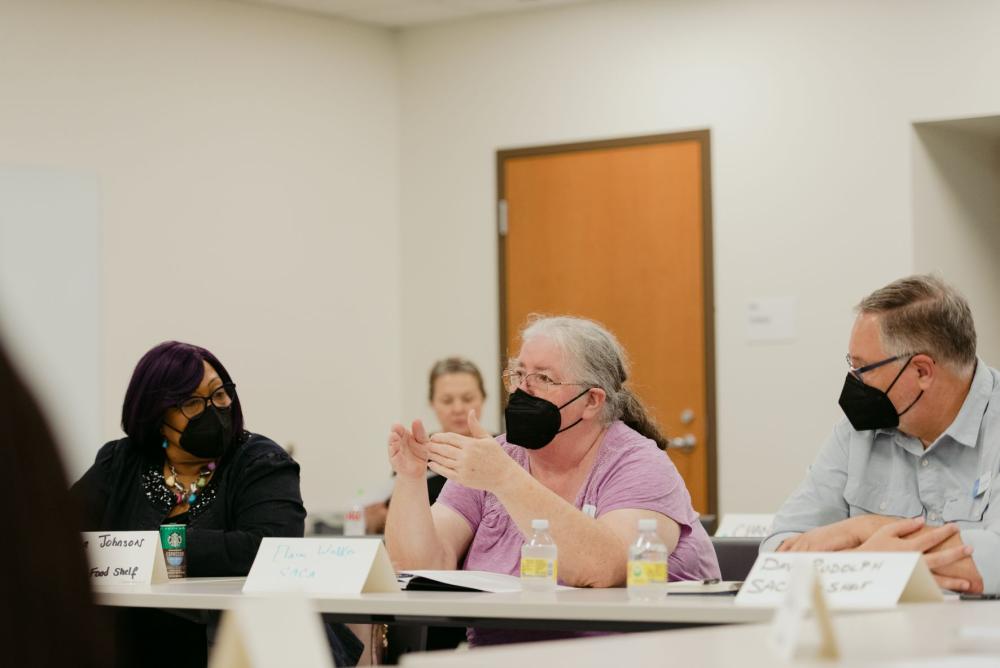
745	525
850	580
124	557
322	566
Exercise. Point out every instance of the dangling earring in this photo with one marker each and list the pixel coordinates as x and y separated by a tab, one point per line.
165	444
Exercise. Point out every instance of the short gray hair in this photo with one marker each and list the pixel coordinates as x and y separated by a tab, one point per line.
596	358
923	314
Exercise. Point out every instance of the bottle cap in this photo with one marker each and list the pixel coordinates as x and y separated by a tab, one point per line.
539	524
647	525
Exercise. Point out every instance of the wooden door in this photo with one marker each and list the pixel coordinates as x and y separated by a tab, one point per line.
620	232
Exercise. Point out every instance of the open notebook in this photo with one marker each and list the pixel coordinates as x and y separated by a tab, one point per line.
704	587
497	583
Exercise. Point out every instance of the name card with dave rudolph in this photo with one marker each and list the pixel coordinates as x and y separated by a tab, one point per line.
124	557
321	566
850	580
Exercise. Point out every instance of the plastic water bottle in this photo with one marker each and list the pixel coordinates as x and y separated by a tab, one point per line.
539	562
647	564
354	519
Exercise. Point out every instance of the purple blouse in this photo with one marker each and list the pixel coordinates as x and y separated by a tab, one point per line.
629	472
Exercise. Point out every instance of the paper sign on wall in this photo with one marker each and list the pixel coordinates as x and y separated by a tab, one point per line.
280	630
322	566
124	557
851	580
745	525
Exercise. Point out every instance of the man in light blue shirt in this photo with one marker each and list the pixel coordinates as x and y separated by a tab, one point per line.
914	464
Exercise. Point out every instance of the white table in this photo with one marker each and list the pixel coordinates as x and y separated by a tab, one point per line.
578	609
919	634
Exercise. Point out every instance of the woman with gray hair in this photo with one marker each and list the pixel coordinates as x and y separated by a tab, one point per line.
580	451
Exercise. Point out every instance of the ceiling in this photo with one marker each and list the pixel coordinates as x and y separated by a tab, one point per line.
402	13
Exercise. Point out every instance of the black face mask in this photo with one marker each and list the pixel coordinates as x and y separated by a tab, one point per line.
209	434
532	422
868	407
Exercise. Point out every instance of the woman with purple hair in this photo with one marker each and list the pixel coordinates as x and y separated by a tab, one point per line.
186	459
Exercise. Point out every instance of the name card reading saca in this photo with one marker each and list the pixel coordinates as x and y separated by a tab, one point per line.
124	557
851	580
321	565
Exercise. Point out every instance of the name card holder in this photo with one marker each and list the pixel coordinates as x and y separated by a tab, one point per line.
788	636
745	525
321	566
124	557
279	630
850	580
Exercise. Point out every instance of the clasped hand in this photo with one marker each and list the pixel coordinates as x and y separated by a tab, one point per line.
475	461
900	535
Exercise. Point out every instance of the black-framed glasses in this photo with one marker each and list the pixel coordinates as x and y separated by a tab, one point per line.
221	397
512	379
857	372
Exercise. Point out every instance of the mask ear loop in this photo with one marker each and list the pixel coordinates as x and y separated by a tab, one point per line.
567	404
905	410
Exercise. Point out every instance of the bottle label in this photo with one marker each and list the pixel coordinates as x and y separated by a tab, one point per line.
646	572
533	567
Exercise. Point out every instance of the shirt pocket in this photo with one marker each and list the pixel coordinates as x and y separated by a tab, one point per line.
873	499
965	509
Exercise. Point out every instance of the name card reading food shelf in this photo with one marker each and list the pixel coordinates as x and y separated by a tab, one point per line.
745	525
321	566
124	557
850	580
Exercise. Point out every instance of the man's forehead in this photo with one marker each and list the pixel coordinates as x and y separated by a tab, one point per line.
866	341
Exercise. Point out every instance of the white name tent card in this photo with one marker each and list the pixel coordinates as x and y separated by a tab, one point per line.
745	525
850	580
266	631
789	635
321	566
124	557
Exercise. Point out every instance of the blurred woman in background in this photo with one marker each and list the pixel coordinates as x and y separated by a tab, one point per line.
454	388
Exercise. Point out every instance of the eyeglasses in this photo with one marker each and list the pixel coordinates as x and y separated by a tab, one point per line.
221	397
512	379
868	367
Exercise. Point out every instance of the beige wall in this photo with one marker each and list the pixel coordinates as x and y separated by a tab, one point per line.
247	162
810	106
956	215
313	200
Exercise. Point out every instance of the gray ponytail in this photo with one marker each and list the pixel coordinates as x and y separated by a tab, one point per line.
596	358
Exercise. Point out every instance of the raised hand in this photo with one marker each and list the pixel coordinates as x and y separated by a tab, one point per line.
408	450
476	461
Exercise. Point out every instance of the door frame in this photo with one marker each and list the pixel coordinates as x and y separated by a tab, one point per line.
703	137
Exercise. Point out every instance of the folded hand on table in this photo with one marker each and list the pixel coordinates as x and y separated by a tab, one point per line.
943	551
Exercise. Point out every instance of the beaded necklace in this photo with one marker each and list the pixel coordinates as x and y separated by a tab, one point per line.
189	495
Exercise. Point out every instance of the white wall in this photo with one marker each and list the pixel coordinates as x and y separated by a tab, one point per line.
247	162
810	106
313	200
956	215
50	298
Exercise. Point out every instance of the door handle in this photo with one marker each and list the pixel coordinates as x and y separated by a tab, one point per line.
684	443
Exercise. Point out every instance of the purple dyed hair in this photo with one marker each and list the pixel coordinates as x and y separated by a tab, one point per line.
164	376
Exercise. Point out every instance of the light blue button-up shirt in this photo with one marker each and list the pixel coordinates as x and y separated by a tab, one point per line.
886	472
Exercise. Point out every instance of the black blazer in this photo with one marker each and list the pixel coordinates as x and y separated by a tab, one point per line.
257	495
